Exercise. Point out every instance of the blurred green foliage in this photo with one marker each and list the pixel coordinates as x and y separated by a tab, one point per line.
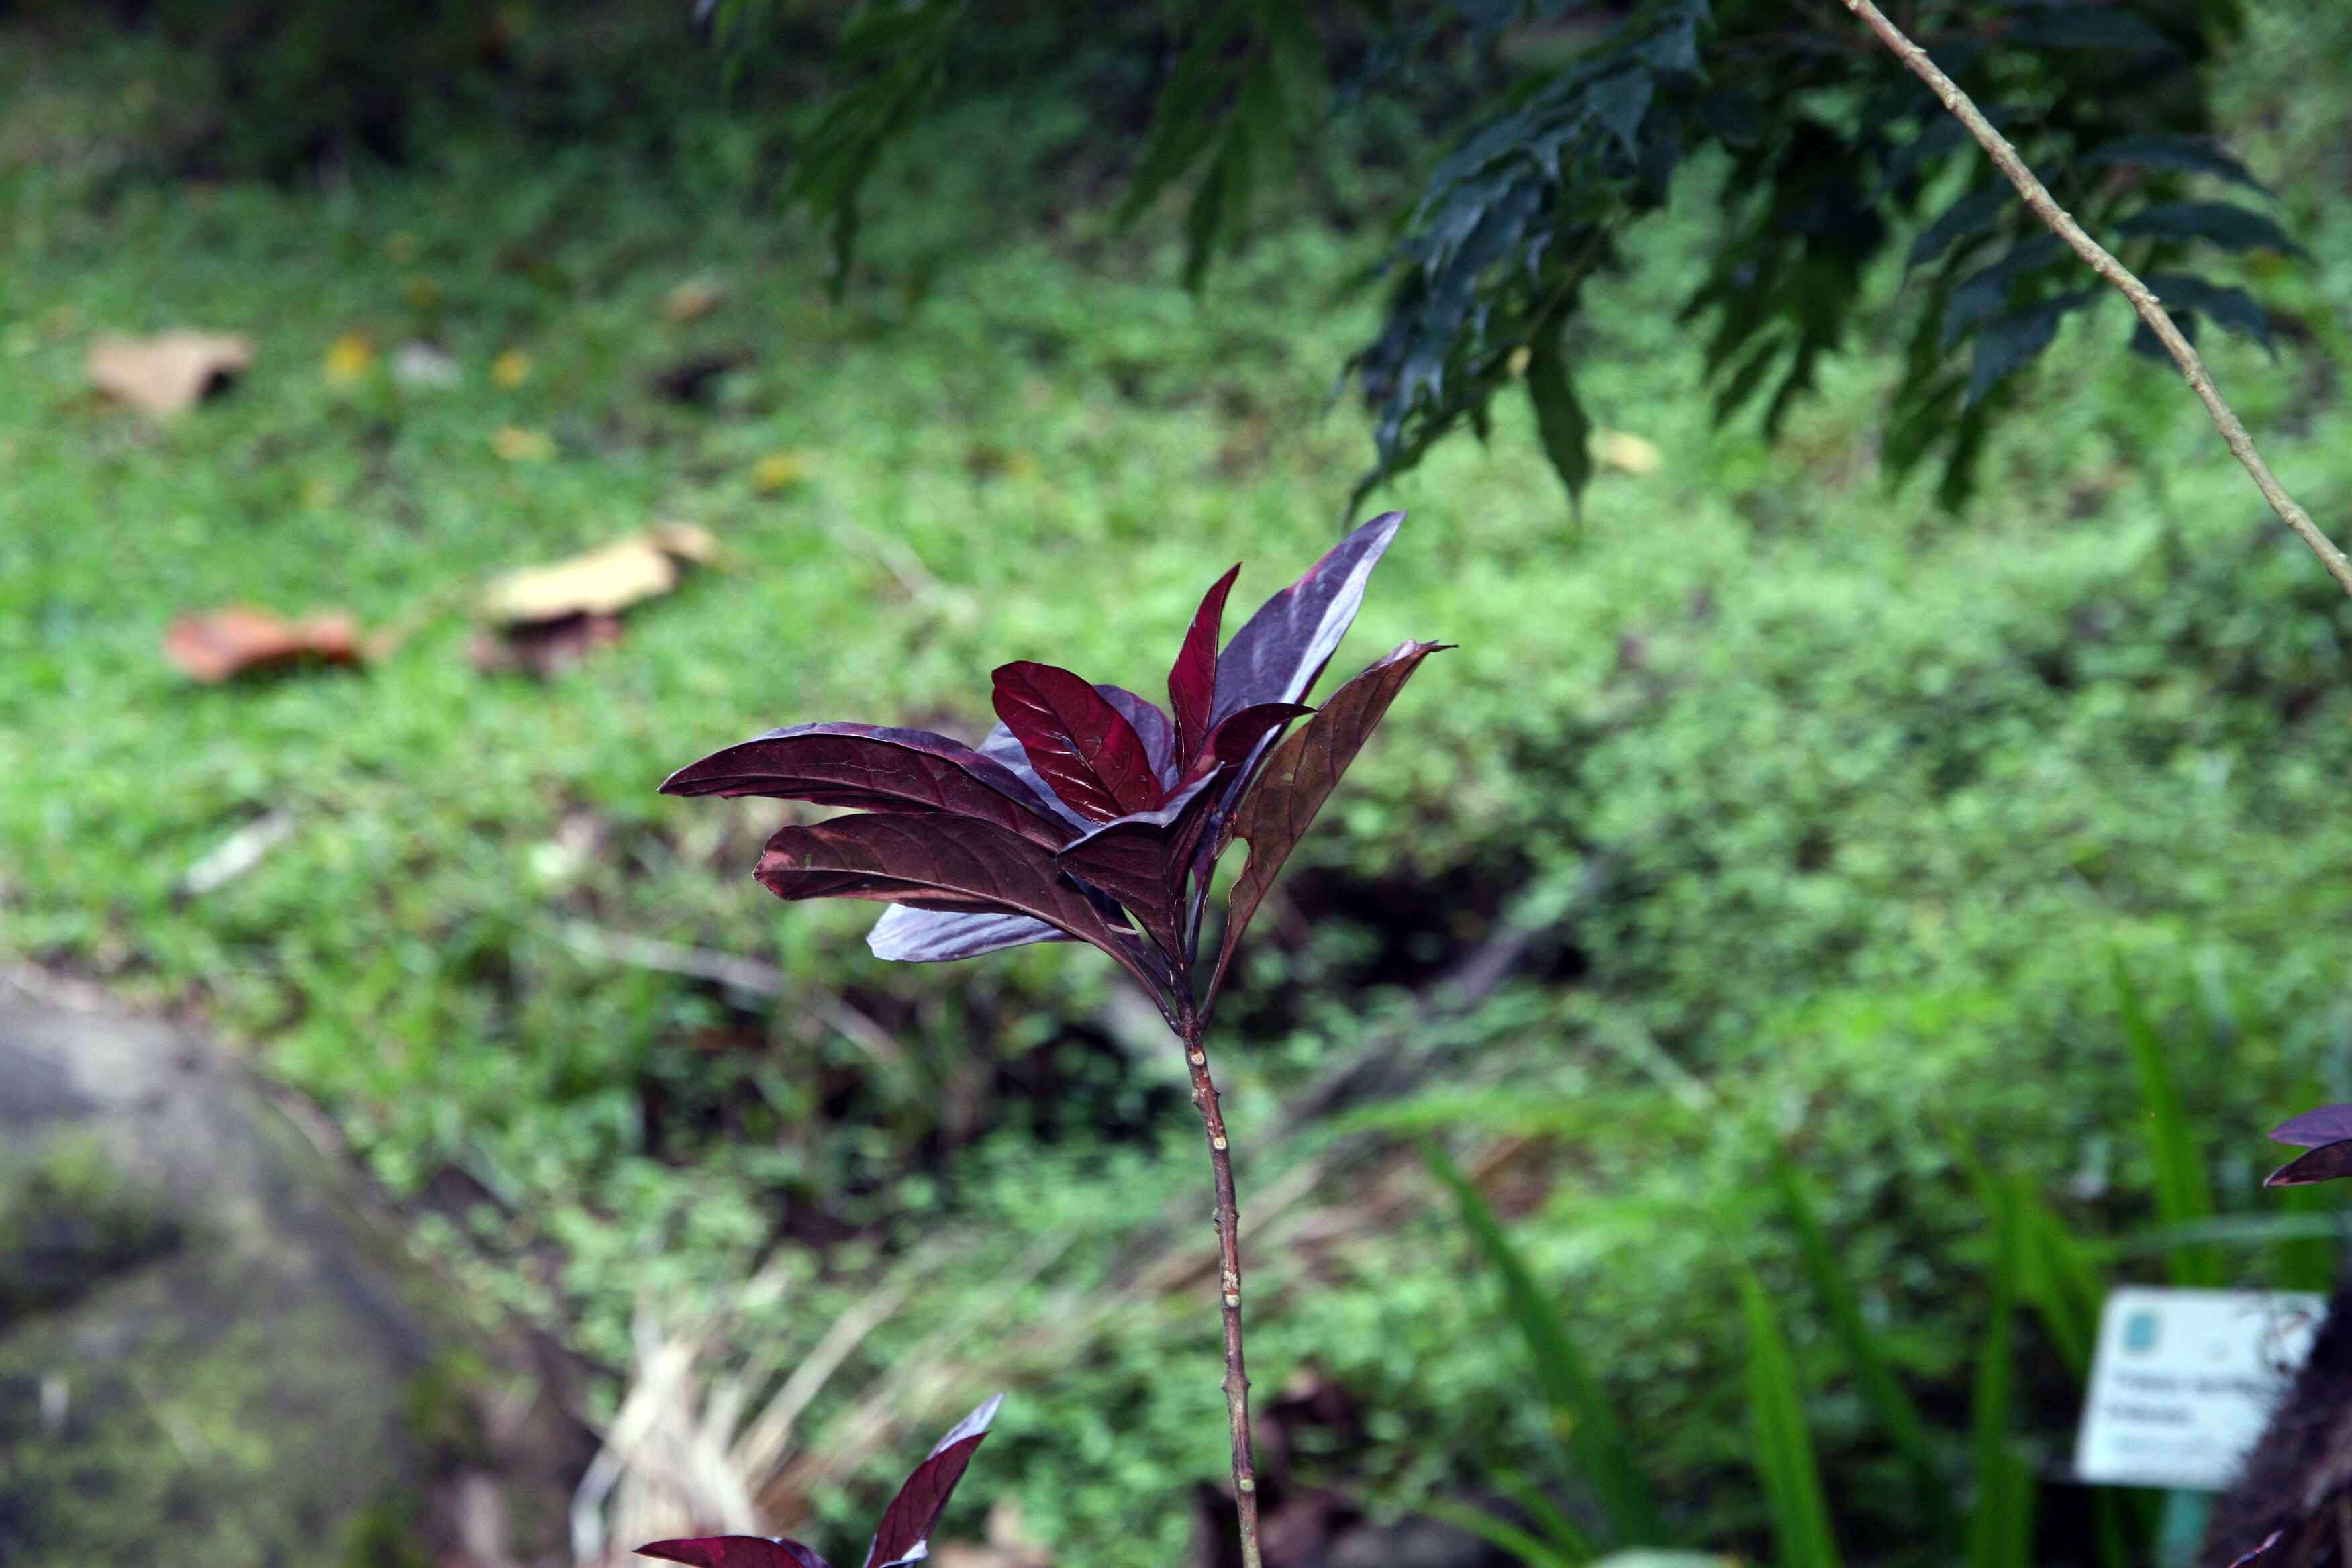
1869	800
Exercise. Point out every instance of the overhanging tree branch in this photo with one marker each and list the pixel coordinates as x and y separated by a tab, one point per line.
2100	261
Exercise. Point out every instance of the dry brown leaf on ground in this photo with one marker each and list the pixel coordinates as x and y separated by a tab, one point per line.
549	616
213	645
171	372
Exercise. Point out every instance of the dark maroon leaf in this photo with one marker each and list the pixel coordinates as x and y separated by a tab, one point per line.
1277	653
735	1552
1192	678
2328	1124
1140	861
909	936
1238	736
2326	1163
1300	775
906	1528
1152	727
935	863
874	768
1080	744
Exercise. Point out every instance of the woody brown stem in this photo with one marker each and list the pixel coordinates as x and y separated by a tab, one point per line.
1229	1283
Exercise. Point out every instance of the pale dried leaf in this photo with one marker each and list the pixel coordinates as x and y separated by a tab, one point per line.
603	581
1626	452
171	372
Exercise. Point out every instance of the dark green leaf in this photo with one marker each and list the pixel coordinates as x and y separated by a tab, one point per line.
1972	214
2177	154
1560	418
2008	342
2107	28
2218	223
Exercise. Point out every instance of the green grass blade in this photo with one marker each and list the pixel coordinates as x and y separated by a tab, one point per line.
2000	1526
1791	1471
2184	1192
1504	1536
1864	1353
1562	1532
2059	1277
1594	1435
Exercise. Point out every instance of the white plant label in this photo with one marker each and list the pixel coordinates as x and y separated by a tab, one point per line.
2183	1381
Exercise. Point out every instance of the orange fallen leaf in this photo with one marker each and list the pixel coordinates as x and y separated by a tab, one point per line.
213	645
170	372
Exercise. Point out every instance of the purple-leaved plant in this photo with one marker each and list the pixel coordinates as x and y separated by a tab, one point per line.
2327	1133
904	1536
1090	814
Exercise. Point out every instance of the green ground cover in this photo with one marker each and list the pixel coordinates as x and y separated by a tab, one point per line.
1873	796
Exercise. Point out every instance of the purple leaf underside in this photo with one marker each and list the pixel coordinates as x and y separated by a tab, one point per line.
1192	678
963	866
873	768
907	1522
2328	1124
908	935
1079	744
735	1552
1299	776
1280	651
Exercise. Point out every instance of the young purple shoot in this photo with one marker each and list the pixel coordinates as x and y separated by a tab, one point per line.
1089	813
904	1536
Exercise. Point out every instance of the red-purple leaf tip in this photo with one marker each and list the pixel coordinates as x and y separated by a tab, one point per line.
735	1552
1280	651
1081	745
2328	1124
2328	1162
905	1533
1192	678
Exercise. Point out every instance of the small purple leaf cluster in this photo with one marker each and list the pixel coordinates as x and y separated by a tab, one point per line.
1089	812
903	1537
2327	1133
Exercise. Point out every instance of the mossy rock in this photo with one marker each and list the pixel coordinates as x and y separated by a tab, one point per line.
206	1355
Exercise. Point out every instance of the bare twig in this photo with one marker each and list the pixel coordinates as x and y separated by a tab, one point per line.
1229	1284
2100	261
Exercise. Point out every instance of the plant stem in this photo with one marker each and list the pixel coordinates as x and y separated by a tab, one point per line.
2100	261
1229	1282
